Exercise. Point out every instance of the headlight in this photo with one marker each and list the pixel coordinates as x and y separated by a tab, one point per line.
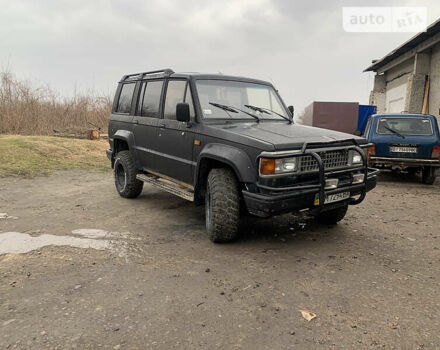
270	166
354	157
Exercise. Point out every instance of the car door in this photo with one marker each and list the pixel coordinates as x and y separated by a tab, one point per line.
175	139
145	123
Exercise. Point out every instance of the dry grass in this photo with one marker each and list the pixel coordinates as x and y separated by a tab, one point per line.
29	110
41	155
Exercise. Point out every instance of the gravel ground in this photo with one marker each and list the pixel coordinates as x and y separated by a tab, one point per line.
81	267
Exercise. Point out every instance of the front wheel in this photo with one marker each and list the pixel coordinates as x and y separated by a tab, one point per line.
125	176
428	175
332	216
222	206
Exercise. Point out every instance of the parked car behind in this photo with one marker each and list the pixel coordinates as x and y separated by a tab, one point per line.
407	142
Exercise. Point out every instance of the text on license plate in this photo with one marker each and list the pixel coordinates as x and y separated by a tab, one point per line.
399	149
331	198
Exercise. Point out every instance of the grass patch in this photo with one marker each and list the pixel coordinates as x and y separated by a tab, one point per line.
31	156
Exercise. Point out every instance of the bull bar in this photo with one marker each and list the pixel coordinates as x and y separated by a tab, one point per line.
267	204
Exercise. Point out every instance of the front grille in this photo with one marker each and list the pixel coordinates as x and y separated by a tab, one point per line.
332	160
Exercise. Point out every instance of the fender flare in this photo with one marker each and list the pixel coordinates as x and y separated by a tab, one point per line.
236	158
128	137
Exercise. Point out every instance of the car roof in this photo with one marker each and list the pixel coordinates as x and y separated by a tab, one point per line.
218	76
403	115
169	73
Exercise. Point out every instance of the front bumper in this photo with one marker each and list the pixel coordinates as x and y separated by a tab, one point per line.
403	162
268	201
267	205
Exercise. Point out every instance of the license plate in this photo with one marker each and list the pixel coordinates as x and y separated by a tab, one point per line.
399	149
331	198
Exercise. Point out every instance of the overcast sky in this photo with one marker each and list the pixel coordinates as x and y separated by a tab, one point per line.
300	46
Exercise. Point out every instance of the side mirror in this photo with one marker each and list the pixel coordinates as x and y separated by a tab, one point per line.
292	110
358	133
182	112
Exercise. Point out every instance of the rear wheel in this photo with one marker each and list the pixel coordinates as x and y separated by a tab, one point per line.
222	206
412	171
428	175
332	216
125	176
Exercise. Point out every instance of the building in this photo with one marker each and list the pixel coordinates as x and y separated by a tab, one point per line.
408	78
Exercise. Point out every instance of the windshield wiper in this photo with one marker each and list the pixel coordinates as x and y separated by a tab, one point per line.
394	131
267	110
233	109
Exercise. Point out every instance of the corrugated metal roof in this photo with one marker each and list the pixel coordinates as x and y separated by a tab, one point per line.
405	47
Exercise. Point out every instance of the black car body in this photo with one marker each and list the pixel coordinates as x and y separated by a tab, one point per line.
180	126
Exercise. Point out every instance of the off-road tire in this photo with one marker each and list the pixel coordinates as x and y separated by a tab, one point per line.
222	206
428	175
332	216
125	176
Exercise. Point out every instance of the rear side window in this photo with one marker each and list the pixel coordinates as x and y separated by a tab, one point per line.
125	98
177	91
150	99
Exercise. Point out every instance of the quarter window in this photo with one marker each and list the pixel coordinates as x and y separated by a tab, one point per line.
150	99
125	98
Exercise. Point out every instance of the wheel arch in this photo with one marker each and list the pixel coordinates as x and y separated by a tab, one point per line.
123	140
221	156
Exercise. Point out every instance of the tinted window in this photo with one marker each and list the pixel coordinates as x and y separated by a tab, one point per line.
141	98
175	94
125	98
405	126
151	99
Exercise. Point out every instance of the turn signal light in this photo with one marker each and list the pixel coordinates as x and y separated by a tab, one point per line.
435	152
267	166
371	151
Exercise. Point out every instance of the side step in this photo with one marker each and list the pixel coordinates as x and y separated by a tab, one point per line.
168	186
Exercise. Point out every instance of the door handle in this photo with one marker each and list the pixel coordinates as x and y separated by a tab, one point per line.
161	125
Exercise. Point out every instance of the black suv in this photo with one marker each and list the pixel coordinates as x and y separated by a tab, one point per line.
230	143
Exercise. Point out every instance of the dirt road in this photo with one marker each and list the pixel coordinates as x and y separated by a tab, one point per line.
136	274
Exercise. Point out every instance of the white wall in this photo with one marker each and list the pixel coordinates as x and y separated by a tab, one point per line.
434	90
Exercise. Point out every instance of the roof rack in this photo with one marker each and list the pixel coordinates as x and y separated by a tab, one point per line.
138	76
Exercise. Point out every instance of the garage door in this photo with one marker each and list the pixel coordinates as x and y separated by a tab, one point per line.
396	98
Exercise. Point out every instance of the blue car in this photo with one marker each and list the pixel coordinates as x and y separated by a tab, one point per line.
408	142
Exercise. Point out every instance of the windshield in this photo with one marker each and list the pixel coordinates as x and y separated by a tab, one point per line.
404	126
220	99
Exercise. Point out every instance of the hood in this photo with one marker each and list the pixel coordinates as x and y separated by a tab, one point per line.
282	135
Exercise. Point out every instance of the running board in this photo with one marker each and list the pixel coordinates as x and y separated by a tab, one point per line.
167	185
